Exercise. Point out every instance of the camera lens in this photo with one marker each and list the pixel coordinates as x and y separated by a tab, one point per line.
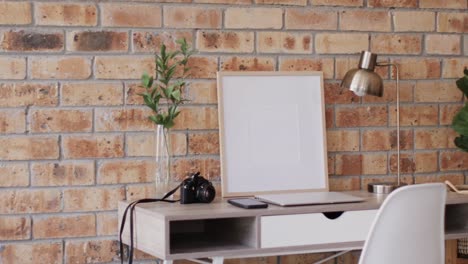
205	193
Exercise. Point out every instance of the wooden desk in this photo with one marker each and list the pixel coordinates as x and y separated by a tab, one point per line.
220	230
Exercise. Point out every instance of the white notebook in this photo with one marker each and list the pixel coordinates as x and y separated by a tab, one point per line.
308	198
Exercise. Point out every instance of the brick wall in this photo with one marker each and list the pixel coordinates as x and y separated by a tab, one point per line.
74	134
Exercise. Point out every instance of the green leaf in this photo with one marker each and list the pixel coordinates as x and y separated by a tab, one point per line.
176	95
462	142
146	80
460	121
465	71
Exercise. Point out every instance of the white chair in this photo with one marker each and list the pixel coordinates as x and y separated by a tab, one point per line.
409	227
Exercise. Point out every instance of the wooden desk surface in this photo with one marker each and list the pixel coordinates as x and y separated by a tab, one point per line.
221	209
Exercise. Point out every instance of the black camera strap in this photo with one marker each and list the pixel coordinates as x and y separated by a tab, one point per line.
131	207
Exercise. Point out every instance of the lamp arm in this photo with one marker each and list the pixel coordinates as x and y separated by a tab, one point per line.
386	64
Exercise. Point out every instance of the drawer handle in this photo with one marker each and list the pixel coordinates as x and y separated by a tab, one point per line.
333	215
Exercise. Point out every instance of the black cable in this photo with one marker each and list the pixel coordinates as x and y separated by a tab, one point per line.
131	207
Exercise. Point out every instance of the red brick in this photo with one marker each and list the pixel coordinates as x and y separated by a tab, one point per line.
143	144
417	68
192	17
92	199
62	173
331	164
126	171
453	67
340	43
311	19
452	22
329	120
25	41
447	112
15	228
437	92
131	15
344	140
151	41
135	119
107	224
29	201
140	191
237	2
93	146
455	178
50	253
47	121
123	67
407	21
407	163
90	93
14	175
426	162
91	41
12	121
374	164
225	41
262	18
306	64
389	93
64	226
204	92
335	94
13	68
417	115
238	63
443	44
15	13
361	116
282	2
337	2
396	44
65	14
339	184
28	147
206	143
209	168
363	20
383	140
195	118
393	3
94	251
203	67
435	138
28	94
60	67
348	164
458	4
453	160
284	42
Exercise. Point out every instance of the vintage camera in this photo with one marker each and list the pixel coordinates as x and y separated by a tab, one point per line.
196	189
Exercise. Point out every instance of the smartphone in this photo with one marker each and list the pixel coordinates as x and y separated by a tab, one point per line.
248	203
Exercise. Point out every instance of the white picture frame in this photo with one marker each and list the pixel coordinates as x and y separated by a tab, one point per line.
272	132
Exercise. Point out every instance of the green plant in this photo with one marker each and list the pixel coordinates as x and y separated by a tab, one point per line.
164	90
460	121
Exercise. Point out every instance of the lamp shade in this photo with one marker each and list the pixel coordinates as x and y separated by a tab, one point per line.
364	80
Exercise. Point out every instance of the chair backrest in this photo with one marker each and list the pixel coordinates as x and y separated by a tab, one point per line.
409	227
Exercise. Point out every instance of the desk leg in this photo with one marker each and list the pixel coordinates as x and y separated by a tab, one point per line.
167	262
218	260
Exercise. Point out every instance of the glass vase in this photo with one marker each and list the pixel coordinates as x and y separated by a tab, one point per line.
163	161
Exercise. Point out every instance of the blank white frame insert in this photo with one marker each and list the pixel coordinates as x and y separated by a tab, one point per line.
272	132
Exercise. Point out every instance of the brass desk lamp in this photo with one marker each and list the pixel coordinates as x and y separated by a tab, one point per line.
364	81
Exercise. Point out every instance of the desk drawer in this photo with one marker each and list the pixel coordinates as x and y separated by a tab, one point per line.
310	229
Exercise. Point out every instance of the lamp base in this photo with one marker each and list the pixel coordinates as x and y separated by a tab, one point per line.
383	187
